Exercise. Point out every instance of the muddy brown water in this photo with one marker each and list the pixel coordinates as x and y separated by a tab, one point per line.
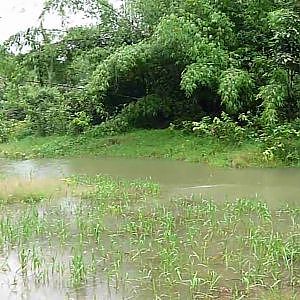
276	186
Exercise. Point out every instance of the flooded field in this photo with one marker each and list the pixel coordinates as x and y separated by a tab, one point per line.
147	229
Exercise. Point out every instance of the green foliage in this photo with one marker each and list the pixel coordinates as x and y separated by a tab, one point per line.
199	74
285	26
80	123
236	89
20	129
46	110
4	130
117	65
272	96
151	111
83	65
111	127
14	129
152	63
148	13
223	128
282	143
278	143
202	47
147	112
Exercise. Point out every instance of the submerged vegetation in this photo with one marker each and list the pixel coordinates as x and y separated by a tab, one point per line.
15	190
226	70
121	236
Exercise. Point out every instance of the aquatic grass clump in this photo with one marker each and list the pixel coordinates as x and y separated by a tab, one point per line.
117	192
25	198
29	191
77	267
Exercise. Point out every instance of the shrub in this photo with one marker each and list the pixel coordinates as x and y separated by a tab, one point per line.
46	110
4	130
148	112
114	126
80	123
222	127
281	143
13	129
20	129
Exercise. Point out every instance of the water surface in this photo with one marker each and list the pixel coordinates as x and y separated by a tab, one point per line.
273	185
276	186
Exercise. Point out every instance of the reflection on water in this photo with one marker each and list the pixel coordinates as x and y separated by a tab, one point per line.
34	169
15	285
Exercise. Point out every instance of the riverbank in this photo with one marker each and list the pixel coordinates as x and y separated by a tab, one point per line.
142	143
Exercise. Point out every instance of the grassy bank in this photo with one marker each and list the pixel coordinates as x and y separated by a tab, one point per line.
142	143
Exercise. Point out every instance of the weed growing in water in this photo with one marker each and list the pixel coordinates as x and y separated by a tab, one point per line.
184	248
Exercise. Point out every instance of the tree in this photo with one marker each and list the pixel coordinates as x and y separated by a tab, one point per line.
210	56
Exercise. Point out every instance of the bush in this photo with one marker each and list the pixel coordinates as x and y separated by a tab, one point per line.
222	127
148	112
110	127
80	123
13	129
282	143
20	129
46	110
4	130
278	142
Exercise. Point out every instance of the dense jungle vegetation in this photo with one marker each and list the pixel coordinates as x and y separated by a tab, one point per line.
227	70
